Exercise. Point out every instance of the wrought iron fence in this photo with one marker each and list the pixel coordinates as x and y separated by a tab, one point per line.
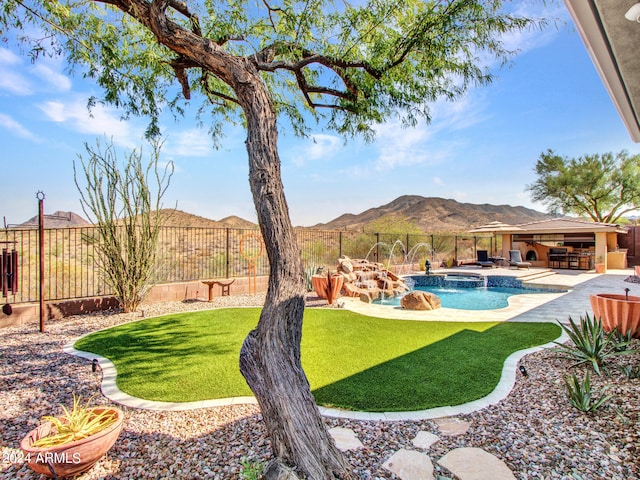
189	254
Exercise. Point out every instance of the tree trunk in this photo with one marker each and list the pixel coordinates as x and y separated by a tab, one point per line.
270	355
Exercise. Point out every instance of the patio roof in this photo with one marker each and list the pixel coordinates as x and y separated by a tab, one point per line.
494	227
553	225
612	42
569	225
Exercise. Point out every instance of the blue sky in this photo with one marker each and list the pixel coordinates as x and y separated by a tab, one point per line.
481	149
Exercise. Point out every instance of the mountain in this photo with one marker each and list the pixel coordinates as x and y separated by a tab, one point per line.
178	218
237	222
57	219
433	214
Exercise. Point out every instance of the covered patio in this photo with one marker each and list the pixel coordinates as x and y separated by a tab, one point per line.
562	243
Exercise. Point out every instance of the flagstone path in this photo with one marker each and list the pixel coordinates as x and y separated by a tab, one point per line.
414	463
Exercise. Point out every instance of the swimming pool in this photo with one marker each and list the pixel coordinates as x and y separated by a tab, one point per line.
463	293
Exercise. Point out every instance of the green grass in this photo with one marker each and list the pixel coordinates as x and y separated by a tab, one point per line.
352	361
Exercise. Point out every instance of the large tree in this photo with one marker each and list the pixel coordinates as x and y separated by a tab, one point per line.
349	65
601	186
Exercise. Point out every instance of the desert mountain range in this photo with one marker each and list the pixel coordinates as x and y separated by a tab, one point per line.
431	214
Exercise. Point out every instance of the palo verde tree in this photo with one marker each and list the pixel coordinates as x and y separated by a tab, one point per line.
273	64
126	201
601	186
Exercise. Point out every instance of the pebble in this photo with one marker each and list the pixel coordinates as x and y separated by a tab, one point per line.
534	431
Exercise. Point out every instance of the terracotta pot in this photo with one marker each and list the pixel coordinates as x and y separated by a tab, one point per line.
616	311
320	284
74	457
600	268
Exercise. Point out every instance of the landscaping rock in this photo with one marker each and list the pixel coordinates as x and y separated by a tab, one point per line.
452	426
410	465
345	439
420	301
475	464
424	440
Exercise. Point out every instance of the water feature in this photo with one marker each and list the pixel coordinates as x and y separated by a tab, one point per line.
411	255
465	280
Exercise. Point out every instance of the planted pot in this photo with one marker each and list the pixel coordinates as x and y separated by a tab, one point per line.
75	457
617	311
327	286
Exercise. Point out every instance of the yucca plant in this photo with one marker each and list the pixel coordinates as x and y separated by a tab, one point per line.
81	422
580	395
590	343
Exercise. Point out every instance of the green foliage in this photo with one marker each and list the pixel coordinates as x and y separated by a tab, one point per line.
601	186
580	394
393	223
630	371
251	470
352	65
128	217
622	341
589	342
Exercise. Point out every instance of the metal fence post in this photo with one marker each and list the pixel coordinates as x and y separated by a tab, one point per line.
40	197
227	254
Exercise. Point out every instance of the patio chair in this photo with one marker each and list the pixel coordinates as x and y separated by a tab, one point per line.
515	259
483	259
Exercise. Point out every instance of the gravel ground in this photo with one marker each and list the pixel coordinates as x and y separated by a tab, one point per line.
534	430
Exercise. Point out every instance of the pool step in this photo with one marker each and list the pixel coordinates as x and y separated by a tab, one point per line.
535	275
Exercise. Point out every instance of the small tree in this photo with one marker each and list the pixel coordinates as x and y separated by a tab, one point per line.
603	187
128	217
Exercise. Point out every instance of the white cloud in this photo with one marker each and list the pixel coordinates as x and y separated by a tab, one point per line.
437	181
7	57
16	128
11	80
100	121
319	147
57	80
21	78
401	147
532	38
189	143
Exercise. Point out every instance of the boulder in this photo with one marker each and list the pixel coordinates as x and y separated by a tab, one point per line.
418	300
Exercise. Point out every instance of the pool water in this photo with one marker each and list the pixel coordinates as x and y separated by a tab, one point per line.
483	298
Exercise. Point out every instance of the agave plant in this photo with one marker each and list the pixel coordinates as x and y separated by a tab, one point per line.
580	394
590	343
622	341
80	422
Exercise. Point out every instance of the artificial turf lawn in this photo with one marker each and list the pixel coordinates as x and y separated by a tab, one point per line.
352	361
